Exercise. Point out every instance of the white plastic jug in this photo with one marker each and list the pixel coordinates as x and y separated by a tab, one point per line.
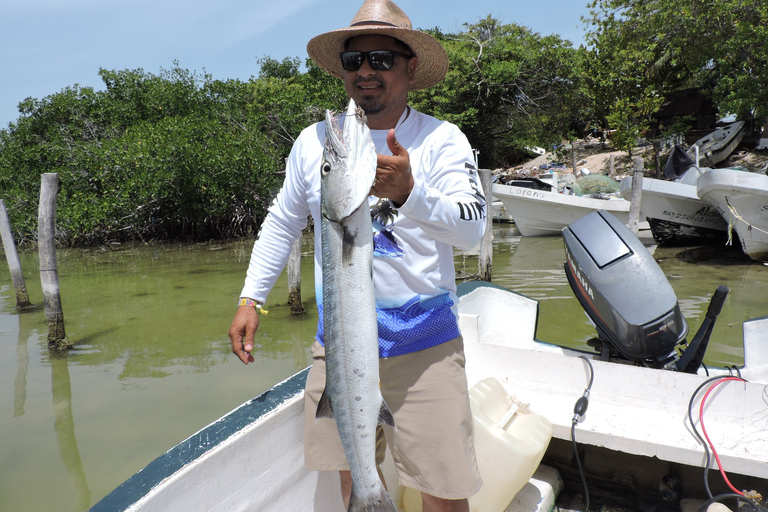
510	442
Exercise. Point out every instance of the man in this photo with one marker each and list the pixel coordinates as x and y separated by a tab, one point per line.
433	202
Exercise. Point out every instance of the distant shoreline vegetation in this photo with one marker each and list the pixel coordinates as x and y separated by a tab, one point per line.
182	156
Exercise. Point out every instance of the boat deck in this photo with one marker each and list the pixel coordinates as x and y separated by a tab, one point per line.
632	409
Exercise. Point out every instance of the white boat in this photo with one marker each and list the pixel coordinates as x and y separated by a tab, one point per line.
546	213
741	197
499	213
542	181
718	145
675	213
252	458
636	426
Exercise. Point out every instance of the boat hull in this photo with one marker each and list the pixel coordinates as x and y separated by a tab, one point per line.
741	197
242	461
718	145
676	234
632	409
676	215
545	213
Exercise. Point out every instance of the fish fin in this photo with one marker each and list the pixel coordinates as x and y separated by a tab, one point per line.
380	503
324	409
385	415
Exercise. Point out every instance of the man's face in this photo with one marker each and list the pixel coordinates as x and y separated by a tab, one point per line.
382	94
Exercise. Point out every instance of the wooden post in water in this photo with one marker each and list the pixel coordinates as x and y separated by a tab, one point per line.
294	279
486	243
14	264
49	274
637	189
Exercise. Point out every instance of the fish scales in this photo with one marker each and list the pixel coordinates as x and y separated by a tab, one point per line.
352	395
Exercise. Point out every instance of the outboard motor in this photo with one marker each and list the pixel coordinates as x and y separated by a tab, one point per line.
628	298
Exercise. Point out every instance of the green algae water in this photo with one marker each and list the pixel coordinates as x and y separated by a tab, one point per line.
152	363
534	267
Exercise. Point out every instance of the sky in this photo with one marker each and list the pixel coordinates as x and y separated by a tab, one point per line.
48	45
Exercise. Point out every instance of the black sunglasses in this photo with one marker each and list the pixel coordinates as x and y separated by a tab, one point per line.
380	60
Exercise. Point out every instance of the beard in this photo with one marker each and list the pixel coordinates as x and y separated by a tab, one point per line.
369	103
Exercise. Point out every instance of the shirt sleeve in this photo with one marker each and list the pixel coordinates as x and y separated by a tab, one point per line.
447	201
285	221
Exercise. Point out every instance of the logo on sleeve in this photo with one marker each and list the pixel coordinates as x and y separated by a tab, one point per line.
474	210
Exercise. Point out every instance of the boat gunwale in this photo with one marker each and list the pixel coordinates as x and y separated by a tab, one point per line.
141	483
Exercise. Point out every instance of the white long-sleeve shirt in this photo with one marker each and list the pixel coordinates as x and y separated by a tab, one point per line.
413	257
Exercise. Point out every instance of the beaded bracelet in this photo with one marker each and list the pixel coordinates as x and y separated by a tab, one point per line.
250	302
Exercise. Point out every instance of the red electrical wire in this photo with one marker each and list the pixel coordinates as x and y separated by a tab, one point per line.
701	422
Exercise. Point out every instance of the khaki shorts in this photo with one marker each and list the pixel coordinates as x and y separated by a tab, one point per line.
432	445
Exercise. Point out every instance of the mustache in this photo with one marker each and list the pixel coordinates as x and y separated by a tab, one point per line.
368	80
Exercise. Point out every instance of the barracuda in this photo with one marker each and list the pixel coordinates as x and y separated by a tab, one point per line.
352	396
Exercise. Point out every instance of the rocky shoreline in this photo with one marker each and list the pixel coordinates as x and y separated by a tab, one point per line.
596	156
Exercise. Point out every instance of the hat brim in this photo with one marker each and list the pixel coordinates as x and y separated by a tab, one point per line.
433	61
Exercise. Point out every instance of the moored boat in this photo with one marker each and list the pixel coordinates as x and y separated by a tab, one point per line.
675	213
741	197
718	145
543	181
546	213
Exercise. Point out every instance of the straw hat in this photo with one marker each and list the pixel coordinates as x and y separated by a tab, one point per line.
382	17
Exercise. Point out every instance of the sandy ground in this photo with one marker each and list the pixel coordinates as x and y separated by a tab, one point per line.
596	158
755	161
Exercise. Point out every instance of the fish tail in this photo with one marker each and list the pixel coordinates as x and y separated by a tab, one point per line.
385	415
380	503
324	409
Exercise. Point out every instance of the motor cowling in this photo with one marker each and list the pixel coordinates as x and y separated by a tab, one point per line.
622	289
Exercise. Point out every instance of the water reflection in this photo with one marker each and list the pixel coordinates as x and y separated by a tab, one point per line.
64	426
151	365
22	358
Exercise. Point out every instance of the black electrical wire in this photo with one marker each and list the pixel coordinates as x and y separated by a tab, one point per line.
717	499
578	464
701	440
578	414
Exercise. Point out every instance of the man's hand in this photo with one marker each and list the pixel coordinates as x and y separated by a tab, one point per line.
393	173
242	331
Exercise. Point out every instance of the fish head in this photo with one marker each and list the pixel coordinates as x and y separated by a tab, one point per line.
348	170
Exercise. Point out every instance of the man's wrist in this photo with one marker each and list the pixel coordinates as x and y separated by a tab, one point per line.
245	301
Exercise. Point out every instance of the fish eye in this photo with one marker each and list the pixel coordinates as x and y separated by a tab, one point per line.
326	168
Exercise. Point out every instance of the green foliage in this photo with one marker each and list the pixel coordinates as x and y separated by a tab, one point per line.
508	88
173	155
287	68
630	119
677	129
720	46
285	104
